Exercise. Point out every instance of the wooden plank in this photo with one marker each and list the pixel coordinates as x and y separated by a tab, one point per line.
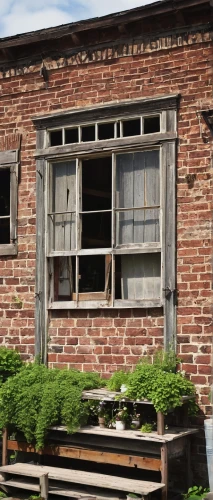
169	237
164	471
92	455
11	483
111	144
40	297
44	486
90	296
141	277
64	200
87	478
4	446
8	157
8	249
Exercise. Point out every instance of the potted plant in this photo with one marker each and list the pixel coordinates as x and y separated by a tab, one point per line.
121	418
101	410
135	420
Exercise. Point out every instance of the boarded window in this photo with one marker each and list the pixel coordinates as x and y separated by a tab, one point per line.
137	198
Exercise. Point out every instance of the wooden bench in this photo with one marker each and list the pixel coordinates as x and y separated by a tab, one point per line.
59	481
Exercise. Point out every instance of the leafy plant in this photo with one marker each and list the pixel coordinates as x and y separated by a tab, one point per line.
3	495
166	360
10	363
122	414
118	379
37	398
147	427
164	389
196	493
133	495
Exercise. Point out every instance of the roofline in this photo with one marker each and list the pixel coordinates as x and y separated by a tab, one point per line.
119	18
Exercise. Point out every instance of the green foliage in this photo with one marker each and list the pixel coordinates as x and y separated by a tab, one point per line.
147	428
37	398
3	495
196	493
10	363
164	389
117	380
166	360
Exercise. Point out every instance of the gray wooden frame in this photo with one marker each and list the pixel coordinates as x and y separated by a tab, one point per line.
166	140
9	160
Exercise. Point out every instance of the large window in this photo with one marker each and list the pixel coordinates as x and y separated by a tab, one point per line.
107	187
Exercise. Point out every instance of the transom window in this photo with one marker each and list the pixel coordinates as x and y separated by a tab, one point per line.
102	131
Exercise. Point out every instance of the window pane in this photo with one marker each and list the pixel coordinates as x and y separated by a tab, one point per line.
96	230
56	138
151	125
138	186
64	201
71	135
64	278
106	131
5	206
131	127
88	133
141	276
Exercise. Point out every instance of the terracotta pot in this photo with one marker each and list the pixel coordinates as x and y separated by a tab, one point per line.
101	421
120	426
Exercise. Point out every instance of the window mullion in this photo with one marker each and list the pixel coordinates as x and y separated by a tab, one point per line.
113	224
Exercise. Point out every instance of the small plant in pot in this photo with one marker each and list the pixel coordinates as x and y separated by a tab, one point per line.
121	418
136	417
101	410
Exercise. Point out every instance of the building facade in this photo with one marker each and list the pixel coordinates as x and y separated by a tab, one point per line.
106	191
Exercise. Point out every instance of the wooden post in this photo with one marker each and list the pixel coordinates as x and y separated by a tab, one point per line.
164	470
4	446
160	423
44	486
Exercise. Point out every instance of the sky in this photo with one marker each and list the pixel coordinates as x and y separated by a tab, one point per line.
20	16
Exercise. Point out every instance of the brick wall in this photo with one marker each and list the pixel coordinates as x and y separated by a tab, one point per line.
106	340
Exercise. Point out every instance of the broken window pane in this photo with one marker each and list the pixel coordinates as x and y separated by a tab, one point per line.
105	131
138	186
71	135
141	276
56	138
151	125
63	220
88	133
131	127
4	206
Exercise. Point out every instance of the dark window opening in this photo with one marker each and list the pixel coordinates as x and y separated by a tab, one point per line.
71	135
4	206
151	125
88	133
96	195
131	127
106	131
118	129
92	274
64	278
56	138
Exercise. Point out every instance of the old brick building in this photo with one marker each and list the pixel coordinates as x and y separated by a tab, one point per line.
106	190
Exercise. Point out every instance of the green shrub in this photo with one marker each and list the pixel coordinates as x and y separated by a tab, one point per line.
38	397
117	380
10	363
196	493
164	389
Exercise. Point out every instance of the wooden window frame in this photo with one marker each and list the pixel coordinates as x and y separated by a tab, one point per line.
8	160
167	107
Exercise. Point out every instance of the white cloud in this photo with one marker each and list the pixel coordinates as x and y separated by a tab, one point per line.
20	16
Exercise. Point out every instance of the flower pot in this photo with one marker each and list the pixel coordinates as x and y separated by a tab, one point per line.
101	421
120	426
136	423
123	388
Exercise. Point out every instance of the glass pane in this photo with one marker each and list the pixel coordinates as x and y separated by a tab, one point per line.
138	186
88	133
56	138
141	276
151	125
4	231
71	135
106	131
131	127
64	202
4	192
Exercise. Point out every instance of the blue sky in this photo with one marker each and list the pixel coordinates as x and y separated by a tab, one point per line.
19	16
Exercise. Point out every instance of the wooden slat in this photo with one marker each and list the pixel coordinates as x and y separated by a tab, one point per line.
91	455
13	202
7	157
73	494
90	296
20	484
64	200
86	478
8	249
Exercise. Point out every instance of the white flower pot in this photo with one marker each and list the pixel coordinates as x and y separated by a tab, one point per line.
120	426
123	388
136	424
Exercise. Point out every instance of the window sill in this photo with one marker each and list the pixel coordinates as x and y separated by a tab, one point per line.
8	249
99	304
